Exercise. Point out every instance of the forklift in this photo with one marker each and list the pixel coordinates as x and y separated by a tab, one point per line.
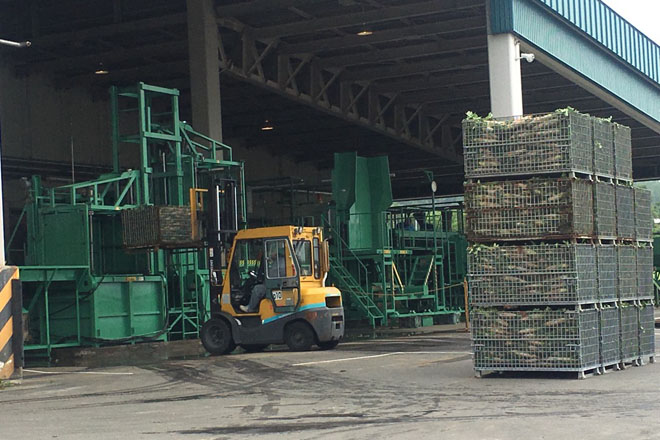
286	266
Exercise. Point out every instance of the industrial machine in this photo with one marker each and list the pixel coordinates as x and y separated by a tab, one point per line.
289	266
133	255
401	263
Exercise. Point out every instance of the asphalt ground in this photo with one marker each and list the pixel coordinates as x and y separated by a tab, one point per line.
417	387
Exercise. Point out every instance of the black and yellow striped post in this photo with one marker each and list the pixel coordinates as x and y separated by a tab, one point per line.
11	323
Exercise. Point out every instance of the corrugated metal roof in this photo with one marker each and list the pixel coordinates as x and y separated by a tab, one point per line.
601	23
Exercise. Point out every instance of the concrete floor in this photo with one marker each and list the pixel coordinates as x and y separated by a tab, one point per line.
411	387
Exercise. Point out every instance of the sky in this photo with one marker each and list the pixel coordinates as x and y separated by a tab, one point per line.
643	14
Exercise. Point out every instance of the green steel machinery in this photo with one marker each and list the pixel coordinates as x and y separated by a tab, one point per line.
132	255
393	261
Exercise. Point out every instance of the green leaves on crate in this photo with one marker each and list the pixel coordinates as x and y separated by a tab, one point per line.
471	116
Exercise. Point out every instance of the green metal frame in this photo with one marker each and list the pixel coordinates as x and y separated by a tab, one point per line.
385	270
74	254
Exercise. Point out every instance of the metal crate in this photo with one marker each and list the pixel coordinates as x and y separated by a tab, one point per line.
629	335
532	274
604	210
606	257
529	209
644	272
157	226
627	272
622	152
625	212
646	329
643	215
549	143
536	340
610	349
603	137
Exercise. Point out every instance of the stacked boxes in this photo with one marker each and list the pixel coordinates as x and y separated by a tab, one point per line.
559	268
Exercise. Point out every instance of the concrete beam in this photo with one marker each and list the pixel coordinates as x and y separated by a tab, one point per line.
203	48
400	53
505	76
409	10
414	32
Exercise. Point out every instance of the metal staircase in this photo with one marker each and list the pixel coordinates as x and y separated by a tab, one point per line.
358	296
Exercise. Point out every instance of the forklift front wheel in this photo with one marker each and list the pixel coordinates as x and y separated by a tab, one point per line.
216	337
299	336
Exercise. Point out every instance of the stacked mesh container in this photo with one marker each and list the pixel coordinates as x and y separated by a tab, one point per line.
635	257
548	263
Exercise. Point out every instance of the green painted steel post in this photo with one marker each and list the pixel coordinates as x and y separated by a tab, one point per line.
144	147
76	293
129	305
47	321
177	151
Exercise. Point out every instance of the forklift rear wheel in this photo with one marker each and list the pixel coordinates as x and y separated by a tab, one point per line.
254	348
216	337
328	345
299	336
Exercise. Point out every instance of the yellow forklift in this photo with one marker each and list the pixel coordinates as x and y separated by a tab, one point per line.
273	292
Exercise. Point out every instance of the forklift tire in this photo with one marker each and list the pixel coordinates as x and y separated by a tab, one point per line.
328	345
299	336
254	348
216	337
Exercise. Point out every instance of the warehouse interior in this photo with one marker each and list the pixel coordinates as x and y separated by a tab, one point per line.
287	84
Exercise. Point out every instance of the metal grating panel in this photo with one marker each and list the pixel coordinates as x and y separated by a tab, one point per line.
529	209
645	272
646	330
629	341
604	210
625	212
606	256
532	274
603	138
622	152
560	340
627	272
610	350
529	145
643	215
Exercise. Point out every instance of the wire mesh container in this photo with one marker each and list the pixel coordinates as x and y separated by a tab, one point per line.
606	257
157	226
643	215
541	340
627	272
629	335
625	212
542	274
529	209
548	143
622	152
645	272
604	210
603	136
646	329
610	350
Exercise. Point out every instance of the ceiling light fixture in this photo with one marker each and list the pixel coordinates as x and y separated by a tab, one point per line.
364	32
267	126
101	70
